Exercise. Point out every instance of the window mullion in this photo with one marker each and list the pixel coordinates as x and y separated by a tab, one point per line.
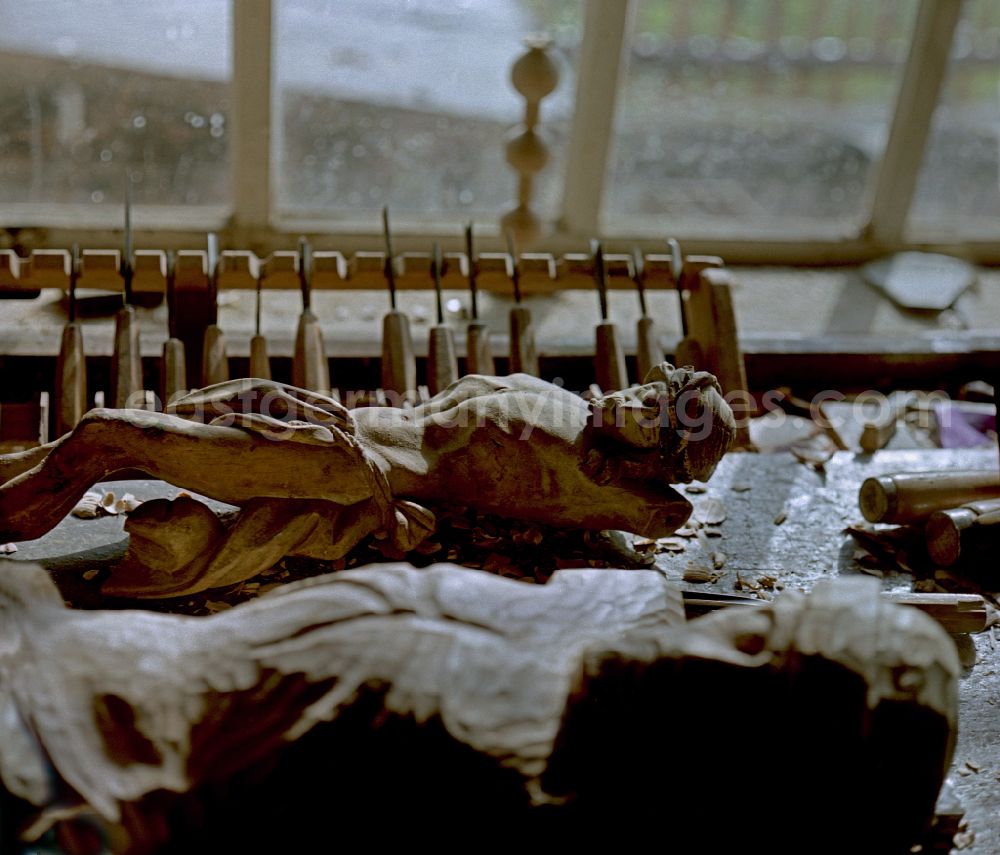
606	26
251	140
922	82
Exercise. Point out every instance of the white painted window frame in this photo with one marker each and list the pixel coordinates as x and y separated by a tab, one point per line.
252	222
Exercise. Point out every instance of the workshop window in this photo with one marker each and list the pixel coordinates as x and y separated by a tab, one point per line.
93	89
407	104
959	186
755	116
734	123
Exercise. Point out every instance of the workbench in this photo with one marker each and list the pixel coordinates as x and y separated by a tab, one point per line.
783	529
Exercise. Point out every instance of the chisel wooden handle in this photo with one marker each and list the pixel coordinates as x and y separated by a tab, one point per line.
479	353
523	355
310	369
689	353
648	351
911	497
442	363
71	380
126	361
174	370
214	361
968	532
609	359
399	364
260	362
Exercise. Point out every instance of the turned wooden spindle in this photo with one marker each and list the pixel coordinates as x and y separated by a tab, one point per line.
535	76
260	362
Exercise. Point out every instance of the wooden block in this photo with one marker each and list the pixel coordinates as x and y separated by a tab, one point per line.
523	355
479	353
442	363
399	363
71	380
609	359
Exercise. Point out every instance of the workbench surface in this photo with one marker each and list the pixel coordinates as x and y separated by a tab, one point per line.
784	524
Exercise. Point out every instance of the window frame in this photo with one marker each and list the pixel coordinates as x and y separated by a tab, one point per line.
253	222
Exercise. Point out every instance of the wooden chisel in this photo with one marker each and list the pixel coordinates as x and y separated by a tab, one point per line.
609	358
126	361
214	361
968	532
71	367
399	363
648	350
260	362
442	363
688	350
957	613
310	368
479	354
174	367
523	354
911	497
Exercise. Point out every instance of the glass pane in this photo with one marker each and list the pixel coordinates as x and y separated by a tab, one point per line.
959	187
741	117
407	104
92	88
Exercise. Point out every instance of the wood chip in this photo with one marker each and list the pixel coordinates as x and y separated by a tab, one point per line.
712	532
695	489
686	531
696	574
214	606
711	512
89	507
973	766
90	574
719	560
781	517
768	583
745	584
671	544
741	488
8	548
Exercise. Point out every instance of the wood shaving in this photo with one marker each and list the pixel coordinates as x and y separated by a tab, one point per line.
695	489
686	531
8	548
769	583
711	512
741	488
745	584
964	839
696	574
781	517
671	544
89	507
214	606
94	505
718	560
713	532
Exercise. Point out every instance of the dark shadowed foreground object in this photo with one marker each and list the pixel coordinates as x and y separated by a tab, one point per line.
453	706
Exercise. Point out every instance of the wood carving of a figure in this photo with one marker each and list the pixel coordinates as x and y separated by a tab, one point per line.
312	478
449	705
